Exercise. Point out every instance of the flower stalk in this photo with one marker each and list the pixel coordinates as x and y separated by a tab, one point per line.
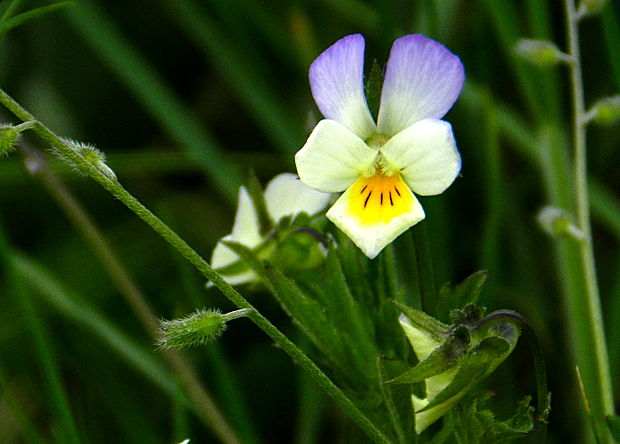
119	192
587	326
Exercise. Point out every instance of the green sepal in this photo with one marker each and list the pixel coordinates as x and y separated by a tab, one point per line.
438	330
443	358
8	139
470	315
262	250
465	293
298	244
468	423
476	365
257	196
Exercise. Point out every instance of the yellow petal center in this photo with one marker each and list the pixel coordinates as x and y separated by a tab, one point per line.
379	198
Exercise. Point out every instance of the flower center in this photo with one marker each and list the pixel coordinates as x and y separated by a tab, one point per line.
377	140
379	198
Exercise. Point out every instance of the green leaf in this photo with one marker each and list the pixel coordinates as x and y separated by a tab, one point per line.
465	293
305	311
613	422
480	362
29	15
443	358
469	424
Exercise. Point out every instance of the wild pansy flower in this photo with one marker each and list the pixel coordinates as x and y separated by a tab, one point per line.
285	195
378	165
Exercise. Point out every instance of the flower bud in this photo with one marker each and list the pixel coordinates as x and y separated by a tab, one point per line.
9	136
8	139
540	52
453	358
558	223
606	111
90	154
199	328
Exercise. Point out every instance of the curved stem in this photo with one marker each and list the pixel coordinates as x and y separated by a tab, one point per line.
539	360
114	188
594	361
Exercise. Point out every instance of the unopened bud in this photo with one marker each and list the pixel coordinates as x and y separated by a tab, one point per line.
8	139
9	136
606	111
90	154
541	52
558	223
199	328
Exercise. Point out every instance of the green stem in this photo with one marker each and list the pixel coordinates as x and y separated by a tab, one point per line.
594	366
426	275
114	188
207	409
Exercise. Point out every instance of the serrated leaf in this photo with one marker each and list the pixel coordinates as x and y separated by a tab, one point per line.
443	358
469	424
477	364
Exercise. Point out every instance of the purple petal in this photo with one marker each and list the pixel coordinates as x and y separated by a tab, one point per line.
423	79
337	83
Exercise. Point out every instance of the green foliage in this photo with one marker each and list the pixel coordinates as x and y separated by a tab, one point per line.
182	97
614	426
465	293
469	423
441	359
9	21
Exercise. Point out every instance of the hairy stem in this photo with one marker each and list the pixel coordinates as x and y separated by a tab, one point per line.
114	188
206	408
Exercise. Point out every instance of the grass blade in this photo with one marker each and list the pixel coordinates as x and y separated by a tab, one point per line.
149	88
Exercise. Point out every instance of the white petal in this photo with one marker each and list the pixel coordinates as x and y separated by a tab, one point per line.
423	79
223	256
246	229
286	195
427	155
337	83
372	233
332	158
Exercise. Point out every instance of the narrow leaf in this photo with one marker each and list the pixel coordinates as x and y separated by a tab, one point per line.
443	358
479	363
31	14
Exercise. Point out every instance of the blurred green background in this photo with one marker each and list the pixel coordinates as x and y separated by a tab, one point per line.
185	97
